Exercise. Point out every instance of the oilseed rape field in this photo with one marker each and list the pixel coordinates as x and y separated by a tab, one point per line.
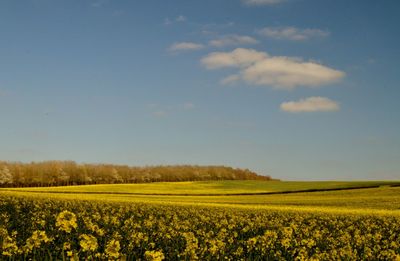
209	187
226	224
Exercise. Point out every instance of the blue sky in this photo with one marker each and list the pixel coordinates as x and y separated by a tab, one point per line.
295	89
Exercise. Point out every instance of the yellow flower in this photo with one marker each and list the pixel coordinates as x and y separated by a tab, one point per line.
9	246
66	221
67	246
112	248
154	255
36	240
88	242
192	244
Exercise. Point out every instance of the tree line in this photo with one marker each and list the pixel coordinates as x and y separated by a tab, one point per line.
64	173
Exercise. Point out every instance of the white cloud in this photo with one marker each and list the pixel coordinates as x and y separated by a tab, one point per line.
181	18
231	79
311	104
259	68
287	73
239	57
292	33
185	46
262	2
232	40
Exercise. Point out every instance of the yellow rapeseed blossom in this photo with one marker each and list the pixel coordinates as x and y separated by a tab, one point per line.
9	246
36	240
192	245
154	255
88	243
66	221
112	249
146	231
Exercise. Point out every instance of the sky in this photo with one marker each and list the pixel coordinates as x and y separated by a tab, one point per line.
294	89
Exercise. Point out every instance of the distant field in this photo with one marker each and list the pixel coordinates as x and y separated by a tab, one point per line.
233	194
210	187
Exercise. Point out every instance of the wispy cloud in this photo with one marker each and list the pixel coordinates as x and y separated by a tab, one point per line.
281	72
231	79
178	19
185	46
240	57
233	39
292	33
311	104
262	2
181	18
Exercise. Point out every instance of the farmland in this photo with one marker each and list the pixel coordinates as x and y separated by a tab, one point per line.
209	187
203	220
